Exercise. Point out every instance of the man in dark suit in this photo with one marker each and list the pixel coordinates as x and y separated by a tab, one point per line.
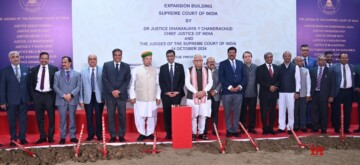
214	94
43	95
116	77
233	78
15	96
322	91
344	89
91	97
309	63
267	78
250	94
67	84
329	55
172	80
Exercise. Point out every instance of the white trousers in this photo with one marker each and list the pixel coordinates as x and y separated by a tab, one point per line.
145	113
199	114
140	125
286	103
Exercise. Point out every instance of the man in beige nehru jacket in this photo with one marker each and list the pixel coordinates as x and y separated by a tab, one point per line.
145	95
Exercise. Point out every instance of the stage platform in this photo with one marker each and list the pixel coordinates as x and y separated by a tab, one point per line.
131	135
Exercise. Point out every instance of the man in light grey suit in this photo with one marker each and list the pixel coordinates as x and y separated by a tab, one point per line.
214	94
91	97
116	79
67	84
250	95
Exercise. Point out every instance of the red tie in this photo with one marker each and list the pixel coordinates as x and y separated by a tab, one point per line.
270	71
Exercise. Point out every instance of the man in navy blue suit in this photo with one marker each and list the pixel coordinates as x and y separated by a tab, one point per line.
233	77
344	90
309	63
15	96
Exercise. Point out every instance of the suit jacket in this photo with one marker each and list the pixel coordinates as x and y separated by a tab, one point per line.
178	82
337	70
311	63
265	81
357	81
327	84
11	90
111	82
216	84
251	87
62	86
33	77
85	90
228	77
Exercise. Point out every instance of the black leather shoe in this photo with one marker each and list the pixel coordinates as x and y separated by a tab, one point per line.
252	131
168	137
89	138
51	140
1	145
193	138
296	129
228	134
304	130
74	140
347	131
23	141
337	131
323	132
236	134
289	132
122	139
214	133
113	139
280	131
62	141
203	137
314	130
272	132
309	126
140	138
41	140
100	139
151	137
357	131
242	131
12	144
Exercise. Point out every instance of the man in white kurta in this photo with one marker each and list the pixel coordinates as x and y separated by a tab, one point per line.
198	81
145	95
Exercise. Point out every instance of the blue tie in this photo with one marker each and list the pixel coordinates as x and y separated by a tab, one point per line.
171	77
92	80
67	76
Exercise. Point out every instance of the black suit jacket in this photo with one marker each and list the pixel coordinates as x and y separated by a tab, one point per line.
327	84
265	81
33	77
111	82
179	79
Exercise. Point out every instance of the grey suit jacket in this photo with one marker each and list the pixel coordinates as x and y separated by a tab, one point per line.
251	86
85	90
61	87
216	84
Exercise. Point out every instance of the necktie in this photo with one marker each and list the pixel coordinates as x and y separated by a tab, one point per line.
270	71
344	76
117	69
92	80
42	78
67	76
172	77
233	65
319	79
17	74
306	64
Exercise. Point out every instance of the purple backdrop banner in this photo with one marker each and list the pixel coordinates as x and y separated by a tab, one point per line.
329	25
33	26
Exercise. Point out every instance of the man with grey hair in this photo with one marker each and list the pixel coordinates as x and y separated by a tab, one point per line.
289	80
91	97
250	94
268	79
198	81
14	92
301	102
214	93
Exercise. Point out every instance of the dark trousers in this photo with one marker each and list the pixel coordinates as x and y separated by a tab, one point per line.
120	105
214	115
17	112
319	112
357	98
267	109
300	113
89	109
249	104
345	97
167	102
45	102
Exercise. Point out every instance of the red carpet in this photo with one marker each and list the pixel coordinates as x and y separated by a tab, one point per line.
131	135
